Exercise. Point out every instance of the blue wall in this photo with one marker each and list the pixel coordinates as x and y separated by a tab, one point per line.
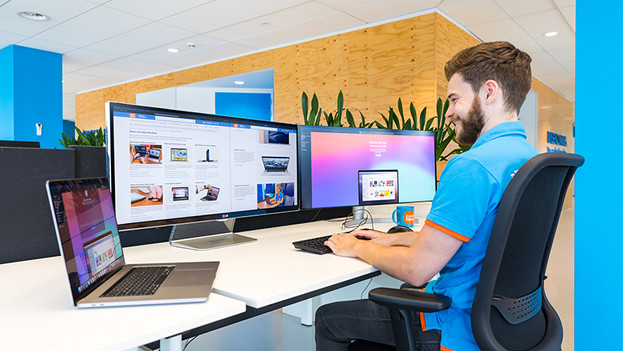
247	105
6	94
33	93
598	192
69	127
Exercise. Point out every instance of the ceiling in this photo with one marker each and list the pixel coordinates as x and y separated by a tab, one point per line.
106	42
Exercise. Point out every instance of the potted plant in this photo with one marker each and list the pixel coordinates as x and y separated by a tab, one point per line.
89	152
312	114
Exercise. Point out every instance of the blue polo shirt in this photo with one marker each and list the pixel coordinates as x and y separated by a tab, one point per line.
465	206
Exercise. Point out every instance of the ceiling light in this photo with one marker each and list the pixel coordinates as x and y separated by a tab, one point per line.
550	34
33	16
239	82
191	45
173	50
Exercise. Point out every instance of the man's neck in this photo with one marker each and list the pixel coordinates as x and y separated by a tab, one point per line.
494	121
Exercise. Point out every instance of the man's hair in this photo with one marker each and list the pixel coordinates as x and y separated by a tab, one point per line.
499	61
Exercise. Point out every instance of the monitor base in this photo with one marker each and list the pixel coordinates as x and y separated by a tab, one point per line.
206	235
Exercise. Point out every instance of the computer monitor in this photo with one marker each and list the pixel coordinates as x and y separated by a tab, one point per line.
215	169
338	164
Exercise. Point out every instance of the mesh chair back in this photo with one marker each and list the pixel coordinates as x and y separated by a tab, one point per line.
510	310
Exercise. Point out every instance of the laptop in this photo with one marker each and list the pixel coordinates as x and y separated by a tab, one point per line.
180	193
98	276
275	163
179	154
154	155
211	194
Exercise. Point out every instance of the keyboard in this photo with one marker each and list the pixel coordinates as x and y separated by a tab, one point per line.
139	281
314	245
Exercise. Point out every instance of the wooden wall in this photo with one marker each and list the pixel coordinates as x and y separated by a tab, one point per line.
372	66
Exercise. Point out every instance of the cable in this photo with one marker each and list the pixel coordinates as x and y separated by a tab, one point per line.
350	218
367	285
316	215
190	341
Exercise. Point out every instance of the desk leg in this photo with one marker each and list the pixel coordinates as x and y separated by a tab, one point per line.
306	312
173	343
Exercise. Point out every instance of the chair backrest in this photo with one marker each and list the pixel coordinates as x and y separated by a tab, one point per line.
510	310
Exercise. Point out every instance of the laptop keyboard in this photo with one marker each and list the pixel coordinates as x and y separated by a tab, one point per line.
314	245
140	281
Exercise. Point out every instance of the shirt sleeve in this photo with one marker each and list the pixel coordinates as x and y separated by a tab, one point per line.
463	198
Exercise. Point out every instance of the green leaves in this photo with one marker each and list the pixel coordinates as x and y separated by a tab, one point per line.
310	117
90	138
395	119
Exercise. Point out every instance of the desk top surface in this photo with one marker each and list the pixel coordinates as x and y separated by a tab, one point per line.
268	270
37	313
37	310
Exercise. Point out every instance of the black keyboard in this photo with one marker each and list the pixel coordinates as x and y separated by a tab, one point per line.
139	281
314	245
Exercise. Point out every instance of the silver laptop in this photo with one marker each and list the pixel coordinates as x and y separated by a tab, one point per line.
98	276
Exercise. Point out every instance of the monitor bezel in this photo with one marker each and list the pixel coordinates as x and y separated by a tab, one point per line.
110	150
383	131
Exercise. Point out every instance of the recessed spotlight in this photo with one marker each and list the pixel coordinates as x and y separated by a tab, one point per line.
550	34
173	50
239	82
33	16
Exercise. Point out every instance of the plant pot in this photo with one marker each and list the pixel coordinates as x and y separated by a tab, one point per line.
90	161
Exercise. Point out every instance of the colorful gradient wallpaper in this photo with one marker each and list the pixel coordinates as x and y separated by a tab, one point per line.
336	159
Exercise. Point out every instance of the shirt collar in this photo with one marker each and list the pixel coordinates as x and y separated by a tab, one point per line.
503	129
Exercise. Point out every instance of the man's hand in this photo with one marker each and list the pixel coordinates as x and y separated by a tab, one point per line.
343	244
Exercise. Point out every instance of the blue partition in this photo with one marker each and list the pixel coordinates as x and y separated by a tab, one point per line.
31	92
598	191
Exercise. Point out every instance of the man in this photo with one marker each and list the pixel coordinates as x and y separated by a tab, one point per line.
487	86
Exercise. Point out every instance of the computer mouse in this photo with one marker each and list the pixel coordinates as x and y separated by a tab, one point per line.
399	228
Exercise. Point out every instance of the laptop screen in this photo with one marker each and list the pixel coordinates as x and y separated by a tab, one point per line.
378	187
275	163
87	231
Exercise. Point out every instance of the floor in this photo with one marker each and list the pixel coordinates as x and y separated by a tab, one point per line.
276	331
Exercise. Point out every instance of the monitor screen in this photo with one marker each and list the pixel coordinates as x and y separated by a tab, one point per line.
333	160
169	167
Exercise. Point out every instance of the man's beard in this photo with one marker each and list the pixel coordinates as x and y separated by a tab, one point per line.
472	124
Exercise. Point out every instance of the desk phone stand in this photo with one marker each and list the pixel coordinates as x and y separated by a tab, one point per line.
206	235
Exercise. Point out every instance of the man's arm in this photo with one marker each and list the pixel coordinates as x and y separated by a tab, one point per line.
394	239
416	264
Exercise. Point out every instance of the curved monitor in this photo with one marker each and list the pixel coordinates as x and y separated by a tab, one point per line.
341	166
172	167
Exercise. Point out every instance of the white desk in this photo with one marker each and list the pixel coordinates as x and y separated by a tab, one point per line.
269	270
37	313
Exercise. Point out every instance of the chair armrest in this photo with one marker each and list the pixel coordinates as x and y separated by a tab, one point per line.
409	299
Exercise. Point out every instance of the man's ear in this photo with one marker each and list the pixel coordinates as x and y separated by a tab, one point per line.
492	91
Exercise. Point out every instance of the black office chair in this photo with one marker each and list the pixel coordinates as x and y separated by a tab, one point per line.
510	310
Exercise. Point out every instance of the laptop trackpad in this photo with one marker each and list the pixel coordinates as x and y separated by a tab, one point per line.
189	277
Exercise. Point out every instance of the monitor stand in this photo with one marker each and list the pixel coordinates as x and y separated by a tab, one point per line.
360	217
206	235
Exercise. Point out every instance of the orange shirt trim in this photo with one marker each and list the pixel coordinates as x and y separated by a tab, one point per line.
447	231
442	348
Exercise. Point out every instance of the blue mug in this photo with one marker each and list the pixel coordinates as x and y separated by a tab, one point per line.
404	215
